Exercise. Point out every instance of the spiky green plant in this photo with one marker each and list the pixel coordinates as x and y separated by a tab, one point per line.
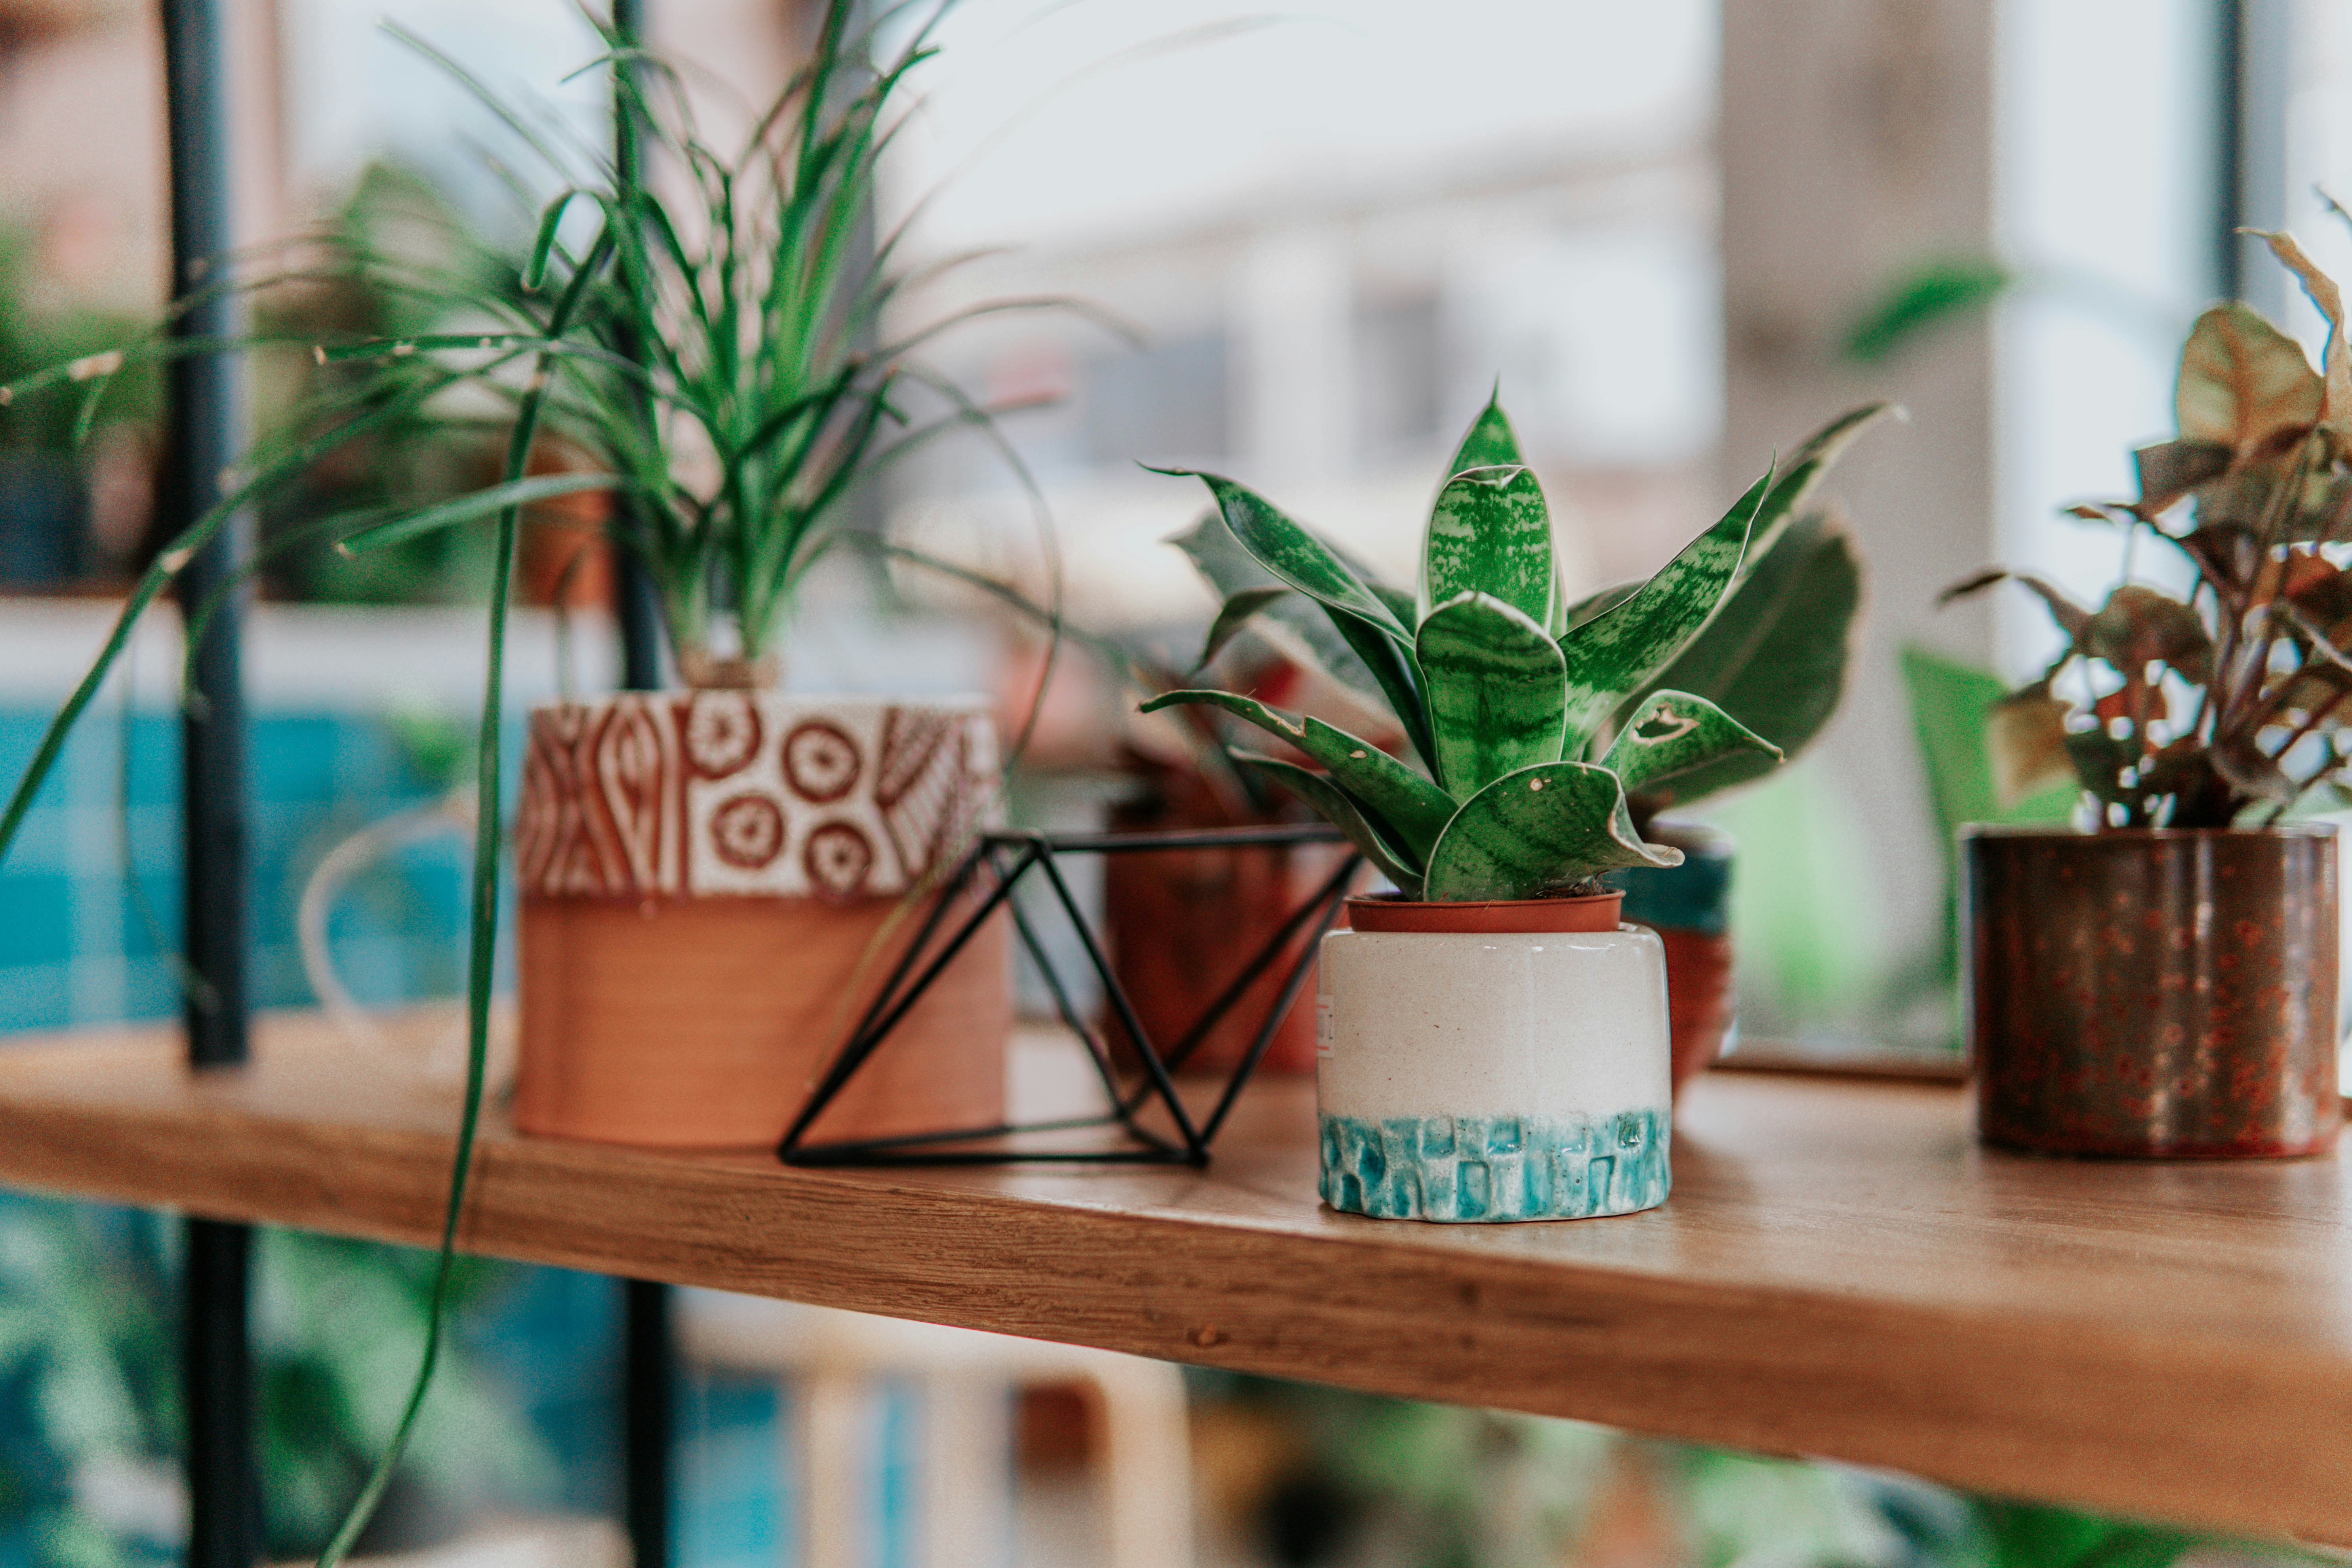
1533	719
715	342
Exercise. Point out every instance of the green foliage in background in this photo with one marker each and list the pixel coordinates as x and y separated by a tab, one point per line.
1930	295
714	340
90	1412
1545	730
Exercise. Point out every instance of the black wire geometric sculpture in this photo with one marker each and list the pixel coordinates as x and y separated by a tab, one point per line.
1001	860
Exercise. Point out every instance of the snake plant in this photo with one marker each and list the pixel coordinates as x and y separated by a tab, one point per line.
1534	719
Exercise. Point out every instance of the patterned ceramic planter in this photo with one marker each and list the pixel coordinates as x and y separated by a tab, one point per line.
711	892
1502	1061
2154	993
1689	906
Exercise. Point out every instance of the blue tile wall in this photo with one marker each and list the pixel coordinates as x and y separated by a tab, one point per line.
82	942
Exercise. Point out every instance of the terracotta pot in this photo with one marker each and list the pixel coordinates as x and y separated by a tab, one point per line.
2153	992
1180	924
1689	906
713	887
1500	1061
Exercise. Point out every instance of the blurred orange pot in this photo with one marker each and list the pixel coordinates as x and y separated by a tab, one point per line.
713	890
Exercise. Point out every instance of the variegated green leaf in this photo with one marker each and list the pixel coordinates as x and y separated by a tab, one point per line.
1219	557
1578	612
1273	721
1335	806
1346	645
1493	679
1237	611
1616	652
1796	480
1293	553
1674	732
1539	830
1775	652
1490	532
1407	808
1489	442
1416	809
1399	681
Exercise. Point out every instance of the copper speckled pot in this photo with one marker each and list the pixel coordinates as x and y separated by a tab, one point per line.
2153	992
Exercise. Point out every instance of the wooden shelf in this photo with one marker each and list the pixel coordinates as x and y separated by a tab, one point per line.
1841	1272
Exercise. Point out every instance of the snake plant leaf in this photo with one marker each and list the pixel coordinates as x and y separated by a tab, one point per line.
1776	653
1798	479
1273	720
1368	626
1536	831
1490	532
1414	809
1237	611
1577	612
1229	569
1494	681
1403	602
1409	809
1293	553
1336	807
1489	442
1674	732
1616	652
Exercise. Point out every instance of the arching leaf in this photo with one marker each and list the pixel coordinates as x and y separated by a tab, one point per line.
1293	554
1776	653
1616	652
1536	831
1674	732
1796	480
1409	808
1493	678
1335	806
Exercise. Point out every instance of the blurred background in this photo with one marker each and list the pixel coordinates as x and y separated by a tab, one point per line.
1677	236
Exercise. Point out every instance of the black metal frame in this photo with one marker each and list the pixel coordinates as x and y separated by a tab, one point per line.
999	861
216	1347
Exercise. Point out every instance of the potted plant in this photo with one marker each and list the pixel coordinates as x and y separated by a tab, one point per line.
1775	655
2162	981
1493	1040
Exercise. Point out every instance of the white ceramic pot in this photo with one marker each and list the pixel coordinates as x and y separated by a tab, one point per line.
1492	1074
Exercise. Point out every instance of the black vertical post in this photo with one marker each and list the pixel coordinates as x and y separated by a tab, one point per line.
2256	49
650	1360
223	1500
649	1353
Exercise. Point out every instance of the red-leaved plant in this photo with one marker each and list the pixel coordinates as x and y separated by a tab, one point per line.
2192	714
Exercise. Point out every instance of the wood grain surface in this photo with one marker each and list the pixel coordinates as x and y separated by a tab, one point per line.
1841	1270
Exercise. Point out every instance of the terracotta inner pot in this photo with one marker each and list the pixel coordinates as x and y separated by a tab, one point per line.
705	1022
1182	924
1592	913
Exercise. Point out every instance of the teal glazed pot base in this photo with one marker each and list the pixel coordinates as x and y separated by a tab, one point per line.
1485	1168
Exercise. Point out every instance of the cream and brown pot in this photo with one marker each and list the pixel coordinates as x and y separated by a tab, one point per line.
714	885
